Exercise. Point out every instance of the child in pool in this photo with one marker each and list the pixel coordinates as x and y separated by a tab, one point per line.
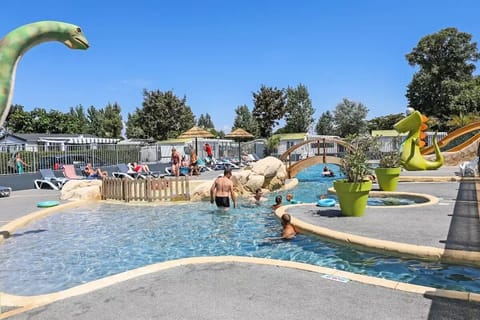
290	199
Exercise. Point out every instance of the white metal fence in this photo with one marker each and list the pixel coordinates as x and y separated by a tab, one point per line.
48	157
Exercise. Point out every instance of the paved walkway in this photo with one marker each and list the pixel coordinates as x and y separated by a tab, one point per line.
244	290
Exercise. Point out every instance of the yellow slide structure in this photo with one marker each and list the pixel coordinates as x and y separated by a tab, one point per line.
474	126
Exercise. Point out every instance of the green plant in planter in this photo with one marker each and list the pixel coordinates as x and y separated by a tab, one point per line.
390	160
352	192
389	168
354	164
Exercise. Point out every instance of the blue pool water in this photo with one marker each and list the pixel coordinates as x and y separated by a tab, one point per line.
85	244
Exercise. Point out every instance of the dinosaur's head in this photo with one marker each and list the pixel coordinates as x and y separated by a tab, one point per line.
75	38
412	122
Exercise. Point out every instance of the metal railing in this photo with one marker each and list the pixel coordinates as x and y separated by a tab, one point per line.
52	157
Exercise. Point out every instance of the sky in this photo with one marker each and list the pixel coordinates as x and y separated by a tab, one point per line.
217	53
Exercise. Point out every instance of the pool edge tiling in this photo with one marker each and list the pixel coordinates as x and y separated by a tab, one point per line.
26	303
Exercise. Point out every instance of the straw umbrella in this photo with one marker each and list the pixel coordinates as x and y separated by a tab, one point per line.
239	134
196	132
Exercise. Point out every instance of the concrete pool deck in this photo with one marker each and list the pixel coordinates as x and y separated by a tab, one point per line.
245	288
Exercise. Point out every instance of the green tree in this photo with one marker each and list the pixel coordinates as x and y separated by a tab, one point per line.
112	121
384	122
468	100
272	145
41	120
134	125
299	110
446	61
77	120
350	118
460	120
95	121
162	116
244	120
325	124
269	107
205	121
59	122
19	120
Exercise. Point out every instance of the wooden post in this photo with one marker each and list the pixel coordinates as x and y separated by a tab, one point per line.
324	152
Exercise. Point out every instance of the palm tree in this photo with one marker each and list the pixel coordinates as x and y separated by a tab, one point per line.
461	120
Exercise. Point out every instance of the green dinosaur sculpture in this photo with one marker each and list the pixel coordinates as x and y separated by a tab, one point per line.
411	158
18	41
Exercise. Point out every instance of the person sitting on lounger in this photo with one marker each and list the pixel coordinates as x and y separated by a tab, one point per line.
140	168
92	173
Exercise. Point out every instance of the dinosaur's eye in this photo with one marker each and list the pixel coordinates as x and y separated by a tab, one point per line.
79	30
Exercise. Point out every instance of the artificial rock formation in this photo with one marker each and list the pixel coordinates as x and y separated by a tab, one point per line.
267	174
81	190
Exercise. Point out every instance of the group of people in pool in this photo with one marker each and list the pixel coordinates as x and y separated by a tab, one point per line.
222	191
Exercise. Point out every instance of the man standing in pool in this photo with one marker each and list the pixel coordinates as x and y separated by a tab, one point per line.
222	189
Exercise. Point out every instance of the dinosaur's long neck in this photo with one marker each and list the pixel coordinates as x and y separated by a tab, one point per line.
14	45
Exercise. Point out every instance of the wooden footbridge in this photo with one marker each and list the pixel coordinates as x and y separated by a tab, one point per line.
294	168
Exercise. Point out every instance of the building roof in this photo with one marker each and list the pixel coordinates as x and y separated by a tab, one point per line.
34	138
387	133
291	136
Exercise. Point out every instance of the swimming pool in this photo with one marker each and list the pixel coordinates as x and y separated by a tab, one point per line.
85	244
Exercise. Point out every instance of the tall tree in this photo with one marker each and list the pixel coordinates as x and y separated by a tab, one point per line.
269	107
95	121
41	121
78	122
134	125
112	121
244	120
163	116
384	122
445	60
205	121
299	111
19	120
325	124
350	118
59	122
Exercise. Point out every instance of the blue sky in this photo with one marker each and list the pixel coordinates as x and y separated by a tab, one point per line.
217	53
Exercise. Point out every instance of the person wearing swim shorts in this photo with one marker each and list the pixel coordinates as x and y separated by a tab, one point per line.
222	190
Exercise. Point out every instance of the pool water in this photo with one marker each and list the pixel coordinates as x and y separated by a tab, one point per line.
85	244
313	185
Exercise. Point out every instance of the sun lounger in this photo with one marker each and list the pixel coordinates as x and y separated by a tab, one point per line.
70	173
49	180
202	167
183	171
125	172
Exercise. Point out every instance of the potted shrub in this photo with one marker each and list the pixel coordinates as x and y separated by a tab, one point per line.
352	192
388	169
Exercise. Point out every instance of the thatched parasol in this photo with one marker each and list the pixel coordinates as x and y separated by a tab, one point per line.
196	132
239	134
